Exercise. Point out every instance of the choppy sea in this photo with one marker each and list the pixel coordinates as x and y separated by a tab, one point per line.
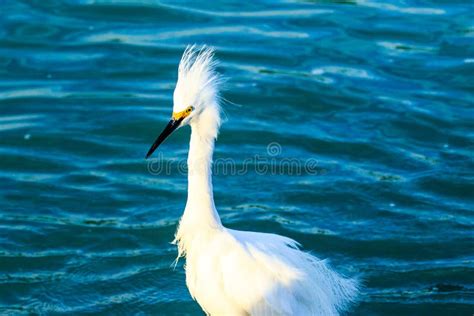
377	96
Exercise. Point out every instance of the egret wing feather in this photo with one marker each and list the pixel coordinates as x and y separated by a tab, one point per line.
266	274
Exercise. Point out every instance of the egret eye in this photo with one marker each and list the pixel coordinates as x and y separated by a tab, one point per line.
188	110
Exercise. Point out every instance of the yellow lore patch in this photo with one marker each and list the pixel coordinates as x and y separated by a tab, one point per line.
183	114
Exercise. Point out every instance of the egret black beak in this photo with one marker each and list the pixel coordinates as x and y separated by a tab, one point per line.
172	125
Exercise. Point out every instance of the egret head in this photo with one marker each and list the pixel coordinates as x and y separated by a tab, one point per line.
195	98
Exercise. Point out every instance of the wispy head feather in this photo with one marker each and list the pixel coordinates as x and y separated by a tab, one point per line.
198	82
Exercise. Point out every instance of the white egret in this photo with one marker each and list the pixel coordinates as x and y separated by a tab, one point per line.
230	272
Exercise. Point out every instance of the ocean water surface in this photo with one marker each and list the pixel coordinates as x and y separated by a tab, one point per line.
377	95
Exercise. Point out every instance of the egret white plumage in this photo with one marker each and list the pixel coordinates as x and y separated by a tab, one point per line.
230	272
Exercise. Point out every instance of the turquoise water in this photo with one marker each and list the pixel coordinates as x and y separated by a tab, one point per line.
379	94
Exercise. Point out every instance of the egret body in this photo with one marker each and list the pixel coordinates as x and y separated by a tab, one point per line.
230	272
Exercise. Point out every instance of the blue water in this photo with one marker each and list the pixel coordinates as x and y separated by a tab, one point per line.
379	93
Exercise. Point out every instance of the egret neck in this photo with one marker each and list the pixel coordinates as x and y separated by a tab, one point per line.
200	210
